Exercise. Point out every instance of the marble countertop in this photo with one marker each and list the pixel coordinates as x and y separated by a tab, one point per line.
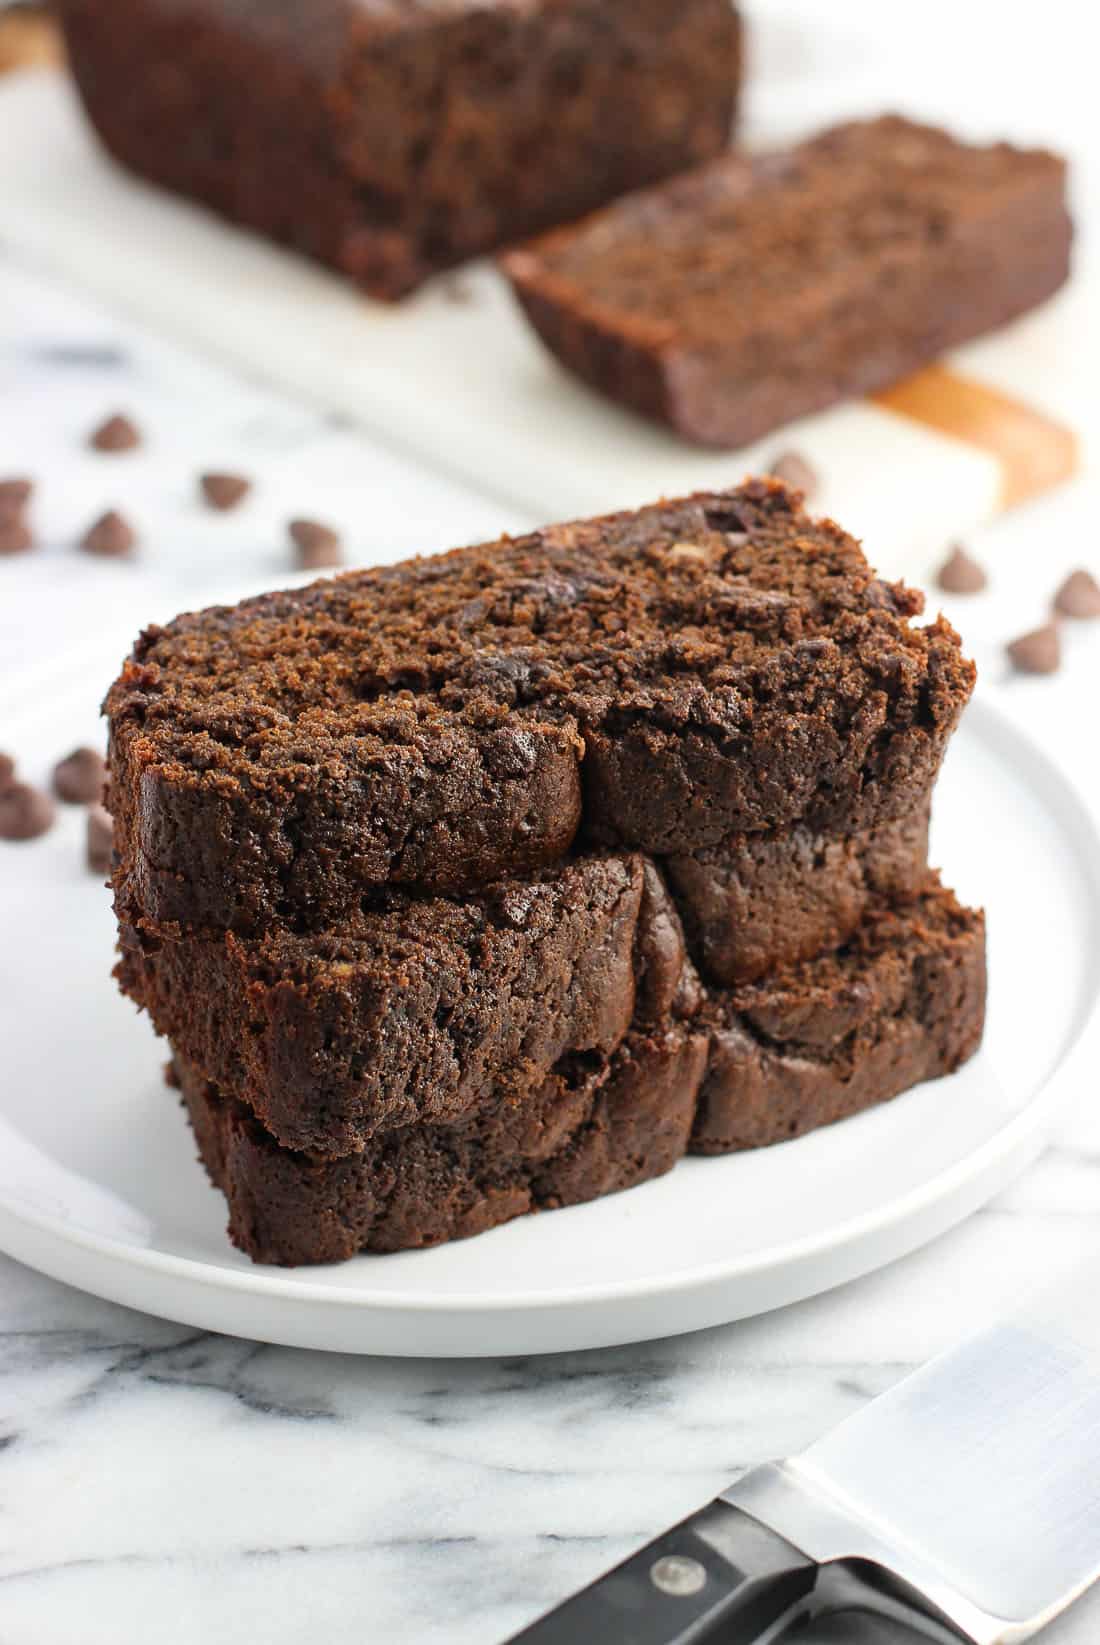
163	1487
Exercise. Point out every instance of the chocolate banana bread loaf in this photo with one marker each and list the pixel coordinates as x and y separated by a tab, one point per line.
751	291
392	138
903	1002
658	680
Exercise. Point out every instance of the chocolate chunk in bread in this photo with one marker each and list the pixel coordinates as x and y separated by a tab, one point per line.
755	290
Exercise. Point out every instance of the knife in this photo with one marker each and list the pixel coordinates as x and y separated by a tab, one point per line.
962	1504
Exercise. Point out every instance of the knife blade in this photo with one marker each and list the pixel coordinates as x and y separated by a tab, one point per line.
964	1502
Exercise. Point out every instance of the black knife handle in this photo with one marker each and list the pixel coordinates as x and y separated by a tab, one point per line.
858	1628
718	1574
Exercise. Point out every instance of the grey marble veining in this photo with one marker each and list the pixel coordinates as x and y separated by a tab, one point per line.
161	1485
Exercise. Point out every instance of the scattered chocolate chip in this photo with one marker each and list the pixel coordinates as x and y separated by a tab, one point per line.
14	497
118	433
25	812
1079	596
99	839
1039	652
727	518
224	491
793	469
16	535
318	545
111	536
7	771
78	778
959	574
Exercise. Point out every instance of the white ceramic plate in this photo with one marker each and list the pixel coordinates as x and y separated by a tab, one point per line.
99	1184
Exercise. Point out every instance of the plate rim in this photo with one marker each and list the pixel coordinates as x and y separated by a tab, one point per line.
1014	1143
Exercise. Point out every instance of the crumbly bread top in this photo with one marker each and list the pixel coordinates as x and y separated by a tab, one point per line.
700	611
719	254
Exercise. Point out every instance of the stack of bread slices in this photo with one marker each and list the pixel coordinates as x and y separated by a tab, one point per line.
499	880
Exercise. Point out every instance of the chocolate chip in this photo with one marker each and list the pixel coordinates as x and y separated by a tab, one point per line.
78	778
959	574
99	838
14	497
1079	596
224	491
793	469
25	812
318	545
725	516
111	536
16	535
1039	652
7	771
118	433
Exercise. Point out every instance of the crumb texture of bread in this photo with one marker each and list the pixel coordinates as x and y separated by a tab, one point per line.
751	291
390	139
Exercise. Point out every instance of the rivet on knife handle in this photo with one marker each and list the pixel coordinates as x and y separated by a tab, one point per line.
719	1574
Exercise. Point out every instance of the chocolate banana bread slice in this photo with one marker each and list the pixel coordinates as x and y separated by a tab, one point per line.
417	1014
392	138
903	1002
593	1126
757	289
656	680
